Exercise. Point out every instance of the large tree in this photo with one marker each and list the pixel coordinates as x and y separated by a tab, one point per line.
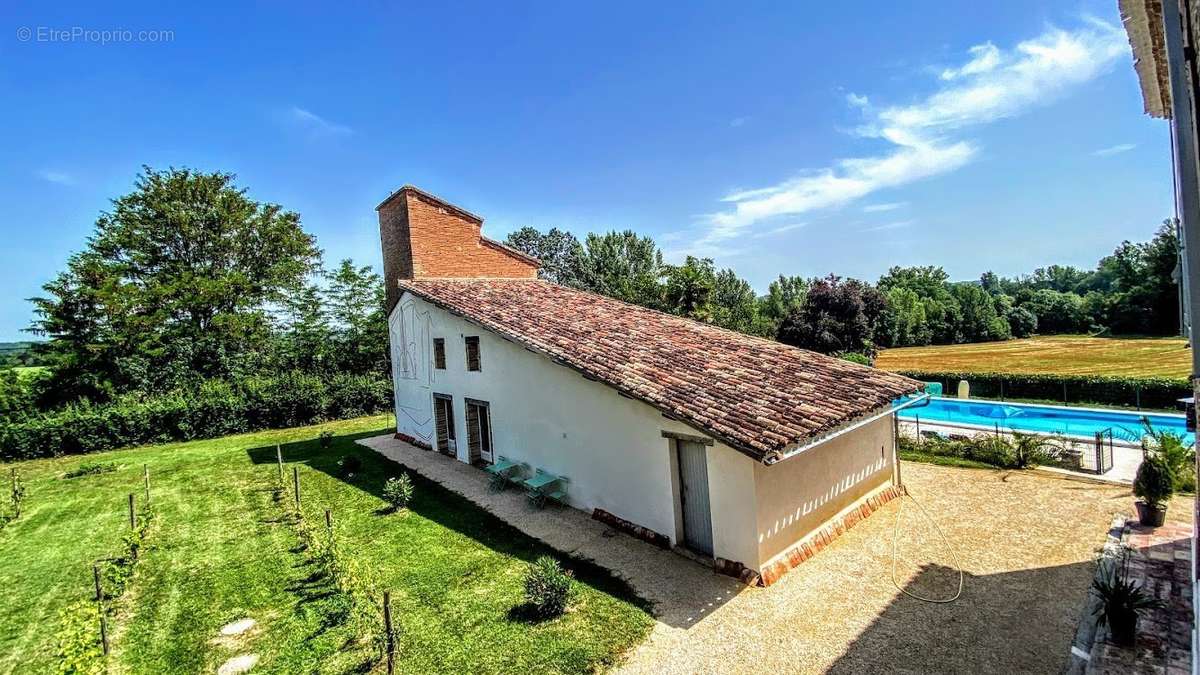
176	284
624	266
688	288
837	317
355	298
559	252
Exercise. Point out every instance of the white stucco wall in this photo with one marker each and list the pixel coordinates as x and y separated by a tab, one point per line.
609	447
797	495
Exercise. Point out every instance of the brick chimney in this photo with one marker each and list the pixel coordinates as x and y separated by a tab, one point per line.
425	237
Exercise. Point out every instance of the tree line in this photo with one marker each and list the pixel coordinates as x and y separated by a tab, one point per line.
1131	291
187	280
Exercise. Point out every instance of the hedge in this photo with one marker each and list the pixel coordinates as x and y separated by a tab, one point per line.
1145	392
213	409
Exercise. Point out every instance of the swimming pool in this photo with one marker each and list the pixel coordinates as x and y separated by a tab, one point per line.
1043	419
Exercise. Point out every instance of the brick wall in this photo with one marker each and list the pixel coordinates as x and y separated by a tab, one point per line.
424	237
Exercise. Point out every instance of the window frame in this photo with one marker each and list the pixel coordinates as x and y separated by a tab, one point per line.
439	353
468	341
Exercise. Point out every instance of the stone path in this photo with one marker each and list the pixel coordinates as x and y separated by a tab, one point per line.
242	663
1160	560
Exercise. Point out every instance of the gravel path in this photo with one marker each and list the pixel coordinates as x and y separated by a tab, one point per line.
1027	543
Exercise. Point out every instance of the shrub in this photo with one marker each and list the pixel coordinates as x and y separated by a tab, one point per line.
1121	600
325	439
90	469
547	588
398	491
350	465
1020	451
210	410
855	357
1154	483
1178	457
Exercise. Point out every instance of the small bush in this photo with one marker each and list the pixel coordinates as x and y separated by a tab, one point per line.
1154	483
325	439
1178	457
855	357
547	588
398	491
1021	451
91	469
350	465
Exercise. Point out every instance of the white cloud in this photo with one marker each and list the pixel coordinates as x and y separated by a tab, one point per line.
984	58
880	208
780	230
1114	150
738	121
59	177
857	101
921	141
890	226
316	124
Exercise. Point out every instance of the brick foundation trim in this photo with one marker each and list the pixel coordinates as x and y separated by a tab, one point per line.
620	524
737	570
823	536
412	441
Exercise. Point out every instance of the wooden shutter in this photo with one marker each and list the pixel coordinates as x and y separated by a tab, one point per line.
473	353
439	353
473	435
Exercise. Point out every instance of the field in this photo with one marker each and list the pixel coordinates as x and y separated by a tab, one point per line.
223	546
1053	354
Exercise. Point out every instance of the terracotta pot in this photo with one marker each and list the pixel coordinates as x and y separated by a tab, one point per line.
1151	516
1122	629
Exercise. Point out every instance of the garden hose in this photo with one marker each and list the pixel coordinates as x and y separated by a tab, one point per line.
945	540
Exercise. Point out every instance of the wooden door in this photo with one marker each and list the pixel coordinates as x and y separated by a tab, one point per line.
693	496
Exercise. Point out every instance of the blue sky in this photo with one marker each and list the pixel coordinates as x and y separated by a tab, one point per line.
801	139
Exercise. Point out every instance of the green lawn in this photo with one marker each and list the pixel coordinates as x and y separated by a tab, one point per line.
222	548
1054	354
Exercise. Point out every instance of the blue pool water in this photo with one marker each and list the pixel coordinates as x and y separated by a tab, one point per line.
1043	419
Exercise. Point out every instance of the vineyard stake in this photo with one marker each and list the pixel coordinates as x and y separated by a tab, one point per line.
296	483
391	637
132	513
103	631
279	461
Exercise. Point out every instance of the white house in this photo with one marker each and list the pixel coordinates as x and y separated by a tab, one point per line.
742	450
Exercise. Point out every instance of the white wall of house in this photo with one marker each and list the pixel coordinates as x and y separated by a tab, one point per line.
798	494
611	448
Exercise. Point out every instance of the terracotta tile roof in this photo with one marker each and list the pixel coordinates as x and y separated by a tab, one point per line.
758	396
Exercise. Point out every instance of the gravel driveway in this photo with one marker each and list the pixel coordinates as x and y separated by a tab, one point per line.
1026	542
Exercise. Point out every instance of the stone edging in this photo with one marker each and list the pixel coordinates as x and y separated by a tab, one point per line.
806	548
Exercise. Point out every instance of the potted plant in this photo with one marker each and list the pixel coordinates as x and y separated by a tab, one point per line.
1121	600
1153	486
